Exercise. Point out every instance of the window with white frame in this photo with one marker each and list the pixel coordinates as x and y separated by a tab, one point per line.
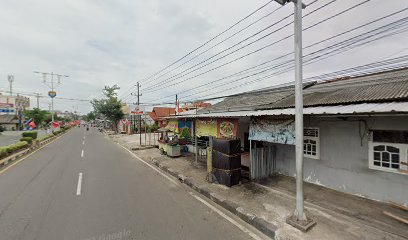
311	143
388	151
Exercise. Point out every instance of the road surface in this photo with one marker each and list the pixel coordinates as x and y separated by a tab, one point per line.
83	186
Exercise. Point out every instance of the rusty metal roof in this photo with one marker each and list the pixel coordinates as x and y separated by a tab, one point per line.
382	87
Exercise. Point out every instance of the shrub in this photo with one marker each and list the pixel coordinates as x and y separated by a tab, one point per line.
185	133
3	152
42	138
29	140
32	134
58	131
7	150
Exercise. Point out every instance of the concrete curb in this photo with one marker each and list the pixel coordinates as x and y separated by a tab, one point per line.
261	224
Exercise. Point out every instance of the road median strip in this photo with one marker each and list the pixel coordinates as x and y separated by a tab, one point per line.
14	158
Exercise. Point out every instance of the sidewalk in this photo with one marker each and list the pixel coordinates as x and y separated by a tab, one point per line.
266	204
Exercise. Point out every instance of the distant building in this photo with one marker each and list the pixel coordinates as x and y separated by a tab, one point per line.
65	114
11	111
194	106
160	113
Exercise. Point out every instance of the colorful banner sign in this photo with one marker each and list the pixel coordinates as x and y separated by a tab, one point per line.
137	110
206	127
227	127
172	125
7	105
185	124
275	131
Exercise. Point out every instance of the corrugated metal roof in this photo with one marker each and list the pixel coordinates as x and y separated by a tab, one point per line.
253	99
390	86
250	101
352	109
370	93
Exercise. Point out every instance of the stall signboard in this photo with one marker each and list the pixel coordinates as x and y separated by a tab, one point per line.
7	104
227	127
206	127
136	110
172	125
183	124
6	108
271	130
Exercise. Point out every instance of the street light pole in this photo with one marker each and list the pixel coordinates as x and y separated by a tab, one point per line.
298	219
52	86
52	99
37	95
10	78
299	212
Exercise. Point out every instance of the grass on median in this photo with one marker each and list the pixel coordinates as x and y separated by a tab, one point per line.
10	149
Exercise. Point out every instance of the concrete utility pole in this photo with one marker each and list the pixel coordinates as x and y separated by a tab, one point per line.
139	116
176	105
10	78
37	95
74	112
299	219
52	85
299	111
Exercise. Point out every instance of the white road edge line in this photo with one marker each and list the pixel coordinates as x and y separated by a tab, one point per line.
79	186
82	153
155	169
238	225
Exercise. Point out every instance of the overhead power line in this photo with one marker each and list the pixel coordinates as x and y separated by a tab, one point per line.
310	58
362	70
312	79
262	66
253	52
205	43
202	64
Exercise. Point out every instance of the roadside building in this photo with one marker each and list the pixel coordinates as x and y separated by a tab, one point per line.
159	114
355	135
11	111
132	115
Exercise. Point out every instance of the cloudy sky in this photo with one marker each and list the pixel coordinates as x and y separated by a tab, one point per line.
106	42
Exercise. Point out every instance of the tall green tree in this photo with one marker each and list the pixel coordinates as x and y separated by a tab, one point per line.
90	116
39	116
109	106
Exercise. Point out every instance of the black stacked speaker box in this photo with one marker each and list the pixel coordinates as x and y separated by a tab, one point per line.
226	161
227	146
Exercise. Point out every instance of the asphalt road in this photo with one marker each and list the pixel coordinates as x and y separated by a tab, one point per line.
83	186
